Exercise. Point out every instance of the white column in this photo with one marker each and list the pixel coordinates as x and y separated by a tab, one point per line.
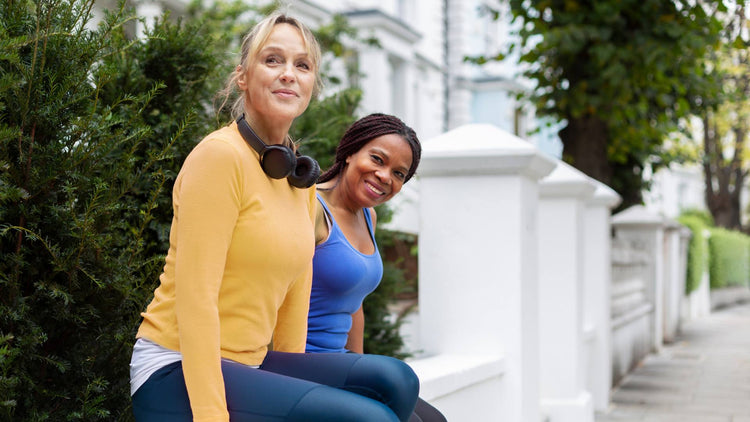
647	228
375	82
461	22
410	99
561	343
597	291
478	259
675	273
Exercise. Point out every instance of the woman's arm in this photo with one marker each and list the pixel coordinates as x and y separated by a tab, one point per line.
356	340
321	223
206	211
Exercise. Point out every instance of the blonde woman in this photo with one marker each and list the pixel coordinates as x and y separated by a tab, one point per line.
238	271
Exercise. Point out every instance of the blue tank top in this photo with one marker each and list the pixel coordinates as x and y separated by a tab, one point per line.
342	277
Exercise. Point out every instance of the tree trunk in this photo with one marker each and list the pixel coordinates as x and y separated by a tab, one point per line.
724	179
585	147
739	175
585	141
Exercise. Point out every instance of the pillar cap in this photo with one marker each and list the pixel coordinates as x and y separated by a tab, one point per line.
639	215
482	149
566	181
604	196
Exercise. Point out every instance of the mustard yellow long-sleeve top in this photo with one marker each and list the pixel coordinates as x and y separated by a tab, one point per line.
238	270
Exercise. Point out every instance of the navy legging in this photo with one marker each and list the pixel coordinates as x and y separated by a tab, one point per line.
292	387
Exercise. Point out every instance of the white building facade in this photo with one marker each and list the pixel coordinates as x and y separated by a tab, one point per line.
419	72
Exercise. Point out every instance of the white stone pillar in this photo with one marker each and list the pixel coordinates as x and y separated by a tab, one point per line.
647	228
597	291
561	275
675	274
478	258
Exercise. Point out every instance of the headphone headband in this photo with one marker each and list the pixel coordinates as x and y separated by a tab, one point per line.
249	134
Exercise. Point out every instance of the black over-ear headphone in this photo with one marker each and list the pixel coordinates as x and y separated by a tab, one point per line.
279	161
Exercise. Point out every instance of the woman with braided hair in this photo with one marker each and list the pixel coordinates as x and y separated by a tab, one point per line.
375	157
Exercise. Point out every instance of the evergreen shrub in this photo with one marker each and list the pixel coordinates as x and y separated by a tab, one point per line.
94	128
71	259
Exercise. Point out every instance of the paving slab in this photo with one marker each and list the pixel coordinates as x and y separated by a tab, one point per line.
703	376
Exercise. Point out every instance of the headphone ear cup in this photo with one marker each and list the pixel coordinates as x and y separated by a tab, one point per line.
278	161
305	173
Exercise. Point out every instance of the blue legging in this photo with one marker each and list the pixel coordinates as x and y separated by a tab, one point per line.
292	387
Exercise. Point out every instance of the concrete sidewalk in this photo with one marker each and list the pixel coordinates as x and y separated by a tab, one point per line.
704	376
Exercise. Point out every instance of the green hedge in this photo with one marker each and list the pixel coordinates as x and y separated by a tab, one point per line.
93	129
729	262
697	250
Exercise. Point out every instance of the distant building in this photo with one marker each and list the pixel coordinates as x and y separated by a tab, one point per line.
675	190
420	74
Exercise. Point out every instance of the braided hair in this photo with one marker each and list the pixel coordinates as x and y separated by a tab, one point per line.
365	130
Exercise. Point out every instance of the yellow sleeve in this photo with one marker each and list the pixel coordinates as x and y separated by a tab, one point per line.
208	203
290	334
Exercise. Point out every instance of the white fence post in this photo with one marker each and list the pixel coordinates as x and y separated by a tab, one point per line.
478	262
597	275
697	304
675	274
561	283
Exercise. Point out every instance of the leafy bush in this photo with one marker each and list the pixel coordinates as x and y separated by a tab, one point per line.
703	215
696	257
72	260
93	129
729	262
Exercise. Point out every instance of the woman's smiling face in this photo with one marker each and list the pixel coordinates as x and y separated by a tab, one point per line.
376	172
279	81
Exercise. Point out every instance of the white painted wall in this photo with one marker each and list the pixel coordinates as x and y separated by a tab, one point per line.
514	281
648	296
478	254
